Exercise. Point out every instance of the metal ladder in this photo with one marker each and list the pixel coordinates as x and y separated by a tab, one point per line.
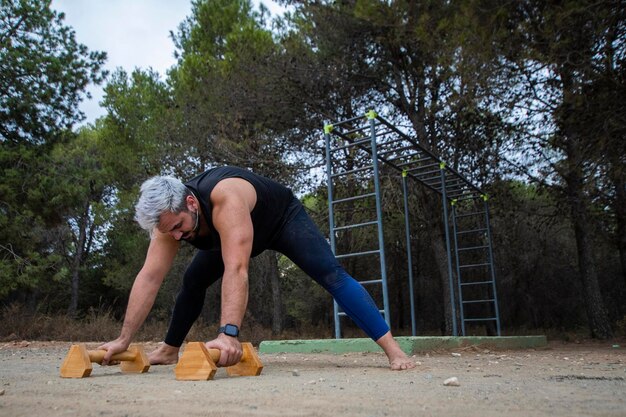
365	167
371	139
478	300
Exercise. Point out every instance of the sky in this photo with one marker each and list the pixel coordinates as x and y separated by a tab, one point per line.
133	33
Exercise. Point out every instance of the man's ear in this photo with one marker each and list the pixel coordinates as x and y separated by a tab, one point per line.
192	203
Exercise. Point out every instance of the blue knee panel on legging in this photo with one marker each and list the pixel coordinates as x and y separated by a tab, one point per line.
302	242
357	303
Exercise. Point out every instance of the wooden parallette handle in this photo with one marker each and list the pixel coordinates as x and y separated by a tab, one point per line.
215	354
77	363
97	356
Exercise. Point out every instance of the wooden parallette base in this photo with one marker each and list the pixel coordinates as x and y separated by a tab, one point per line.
77	363
198	363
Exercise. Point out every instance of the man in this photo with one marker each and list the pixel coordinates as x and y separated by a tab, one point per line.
231	214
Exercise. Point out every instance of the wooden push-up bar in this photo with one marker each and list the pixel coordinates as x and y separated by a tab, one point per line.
197	363
77	363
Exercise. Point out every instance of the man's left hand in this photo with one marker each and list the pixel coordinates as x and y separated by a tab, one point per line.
230	349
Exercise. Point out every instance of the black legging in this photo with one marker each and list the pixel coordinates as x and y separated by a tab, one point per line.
301	241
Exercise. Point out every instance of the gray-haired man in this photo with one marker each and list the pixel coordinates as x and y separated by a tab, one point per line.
231	214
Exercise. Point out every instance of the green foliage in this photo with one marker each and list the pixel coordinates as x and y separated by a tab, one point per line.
477	82
126	248
43	76
136	132
44	72
306	302
230	93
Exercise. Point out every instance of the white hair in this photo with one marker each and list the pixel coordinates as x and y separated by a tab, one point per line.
159	195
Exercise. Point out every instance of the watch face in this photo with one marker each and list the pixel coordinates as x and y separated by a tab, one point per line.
231	330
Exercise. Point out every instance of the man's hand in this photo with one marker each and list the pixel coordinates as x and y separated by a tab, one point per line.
113	347
230	349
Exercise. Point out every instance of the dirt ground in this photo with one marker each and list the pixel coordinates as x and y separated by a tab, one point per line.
587	379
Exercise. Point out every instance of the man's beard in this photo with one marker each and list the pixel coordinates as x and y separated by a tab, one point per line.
195	229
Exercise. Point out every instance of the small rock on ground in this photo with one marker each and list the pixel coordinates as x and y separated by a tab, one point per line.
452	382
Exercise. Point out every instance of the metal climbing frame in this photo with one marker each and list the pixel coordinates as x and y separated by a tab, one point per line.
354	149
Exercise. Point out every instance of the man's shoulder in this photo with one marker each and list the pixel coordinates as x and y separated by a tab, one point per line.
217	173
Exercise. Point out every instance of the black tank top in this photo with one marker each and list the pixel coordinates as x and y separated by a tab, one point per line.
272	210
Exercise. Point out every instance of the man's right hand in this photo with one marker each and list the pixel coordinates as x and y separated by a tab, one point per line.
115	346
229	347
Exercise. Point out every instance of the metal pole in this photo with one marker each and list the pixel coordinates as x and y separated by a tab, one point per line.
458	269
408	252
331	218
491	266
442	167
379	213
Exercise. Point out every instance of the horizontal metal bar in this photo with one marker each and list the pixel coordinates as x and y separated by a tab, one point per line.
390	142
453	182
473	248
458	216
403	148
398	157
394	160
477	283
358	129
343	313
351	144
451	187
454	185
352	226
485	319
352	119
471	231
473	265
411	170
469	197
372	281
478	301
358	197
348	255
339	174
429	180
425	184
430	172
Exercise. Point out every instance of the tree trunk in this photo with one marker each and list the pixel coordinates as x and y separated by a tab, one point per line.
77	261
616	175
438	246
596	313
573	143
441	258
597	316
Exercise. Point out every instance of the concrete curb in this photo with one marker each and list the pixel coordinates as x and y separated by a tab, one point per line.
409	344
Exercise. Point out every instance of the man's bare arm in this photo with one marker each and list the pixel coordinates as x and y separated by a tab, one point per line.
233	200
159	259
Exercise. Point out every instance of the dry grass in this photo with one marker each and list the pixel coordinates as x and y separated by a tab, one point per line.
17	323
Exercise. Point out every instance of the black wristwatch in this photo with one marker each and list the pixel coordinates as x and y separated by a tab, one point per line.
229	330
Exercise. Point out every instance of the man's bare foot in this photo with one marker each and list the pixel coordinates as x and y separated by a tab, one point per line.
164	355
401	363
398	360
